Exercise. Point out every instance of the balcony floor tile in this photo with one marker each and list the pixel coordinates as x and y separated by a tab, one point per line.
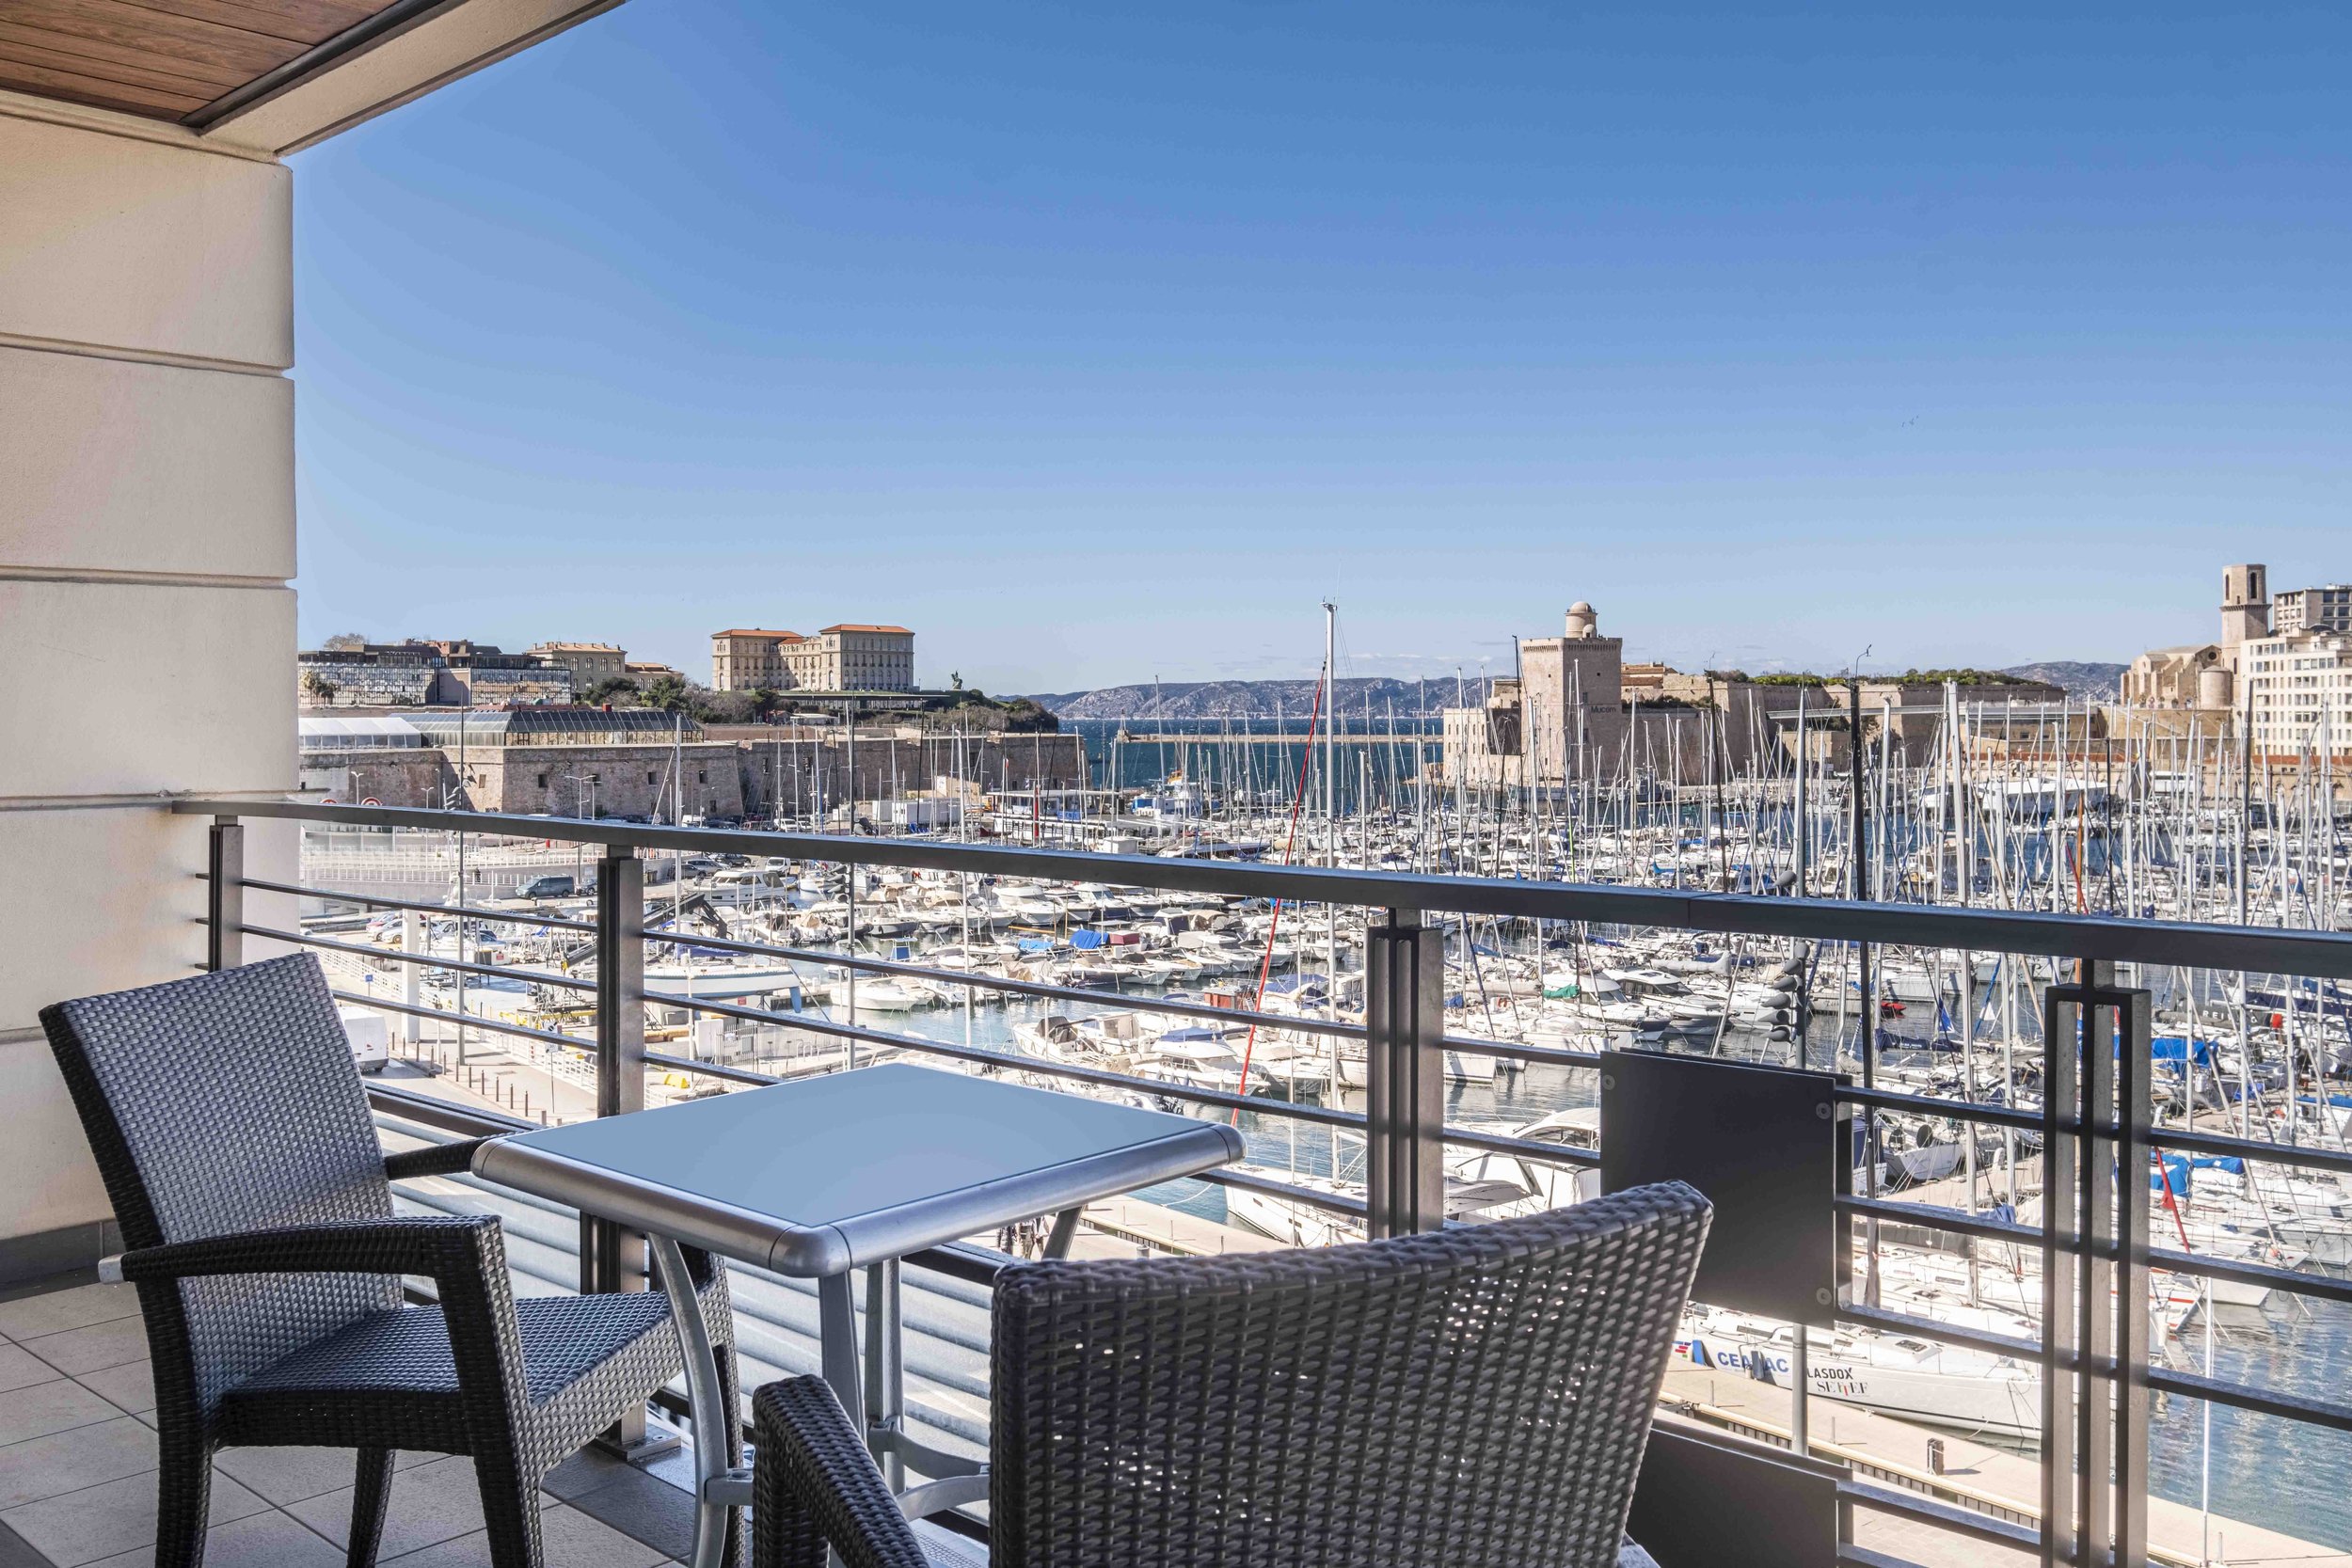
94	1349
431	1503
41	1468
130	1386
266	1540
112	1519
57	1405
29	1316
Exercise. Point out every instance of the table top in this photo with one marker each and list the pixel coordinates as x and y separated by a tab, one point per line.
835	1172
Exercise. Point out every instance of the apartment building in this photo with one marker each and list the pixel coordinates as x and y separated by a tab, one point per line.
850	657
2297	692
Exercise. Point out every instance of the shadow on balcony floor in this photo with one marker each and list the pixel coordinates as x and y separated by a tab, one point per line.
78	1461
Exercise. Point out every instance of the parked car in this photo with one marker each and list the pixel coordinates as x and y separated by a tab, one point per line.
549	887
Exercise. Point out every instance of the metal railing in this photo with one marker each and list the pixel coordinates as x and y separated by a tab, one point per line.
2095	1122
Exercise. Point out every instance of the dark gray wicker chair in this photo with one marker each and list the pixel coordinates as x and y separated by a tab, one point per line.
256	1203
1480	1396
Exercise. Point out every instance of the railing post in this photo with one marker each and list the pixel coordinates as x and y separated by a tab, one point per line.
2095	1280
1405	1075
611	1259
2061	1034
224	904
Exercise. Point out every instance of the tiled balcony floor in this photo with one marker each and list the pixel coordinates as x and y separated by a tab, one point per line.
77	1462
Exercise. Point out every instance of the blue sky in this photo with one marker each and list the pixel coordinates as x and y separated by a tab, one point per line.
1103	342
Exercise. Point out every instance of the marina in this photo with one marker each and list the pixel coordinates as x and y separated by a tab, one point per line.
1127	984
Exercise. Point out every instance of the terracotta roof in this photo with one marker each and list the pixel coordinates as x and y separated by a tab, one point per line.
853	625
754	631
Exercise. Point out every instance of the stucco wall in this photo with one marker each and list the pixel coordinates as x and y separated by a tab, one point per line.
146	537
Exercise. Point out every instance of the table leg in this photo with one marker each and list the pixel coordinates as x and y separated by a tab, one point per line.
885	1371
836	1334
718	1456
1065	1232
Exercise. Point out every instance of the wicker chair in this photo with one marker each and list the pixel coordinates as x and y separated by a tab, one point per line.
1482	1395
235	1142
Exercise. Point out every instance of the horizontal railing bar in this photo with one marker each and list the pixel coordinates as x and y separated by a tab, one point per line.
1550	1055
2251	1149
1024	988
1927	1105
1233	1176
1850	1555
2185	944
1016	1062
392	955
373	901
2202	1265
1961	1521
712	1070
2264	1401
1502	1143
1929	1328
468	1020
974	1265
430	1111
1936	1217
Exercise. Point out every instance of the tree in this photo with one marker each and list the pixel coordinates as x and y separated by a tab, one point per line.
764	701
1023	717
668	693
345	643
318	688
612	689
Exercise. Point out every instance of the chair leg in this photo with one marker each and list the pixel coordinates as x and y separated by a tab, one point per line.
370	1491
510	1507
731	1556
184	1501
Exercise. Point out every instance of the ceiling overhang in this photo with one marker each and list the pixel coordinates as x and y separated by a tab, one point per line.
270	75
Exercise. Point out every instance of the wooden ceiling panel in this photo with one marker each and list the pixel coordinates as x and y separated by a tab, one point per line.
163	58
304	21
96	58
132	97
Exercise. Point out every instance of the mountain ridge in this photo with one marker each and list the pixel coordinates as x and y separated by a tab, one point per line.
1383	694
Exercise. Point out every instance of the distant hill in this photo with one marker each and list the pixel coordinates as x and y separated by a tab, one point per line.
1248	698
2079	678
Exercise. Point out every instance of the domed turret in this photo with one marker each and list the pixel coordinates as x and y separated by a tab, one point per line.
1581	621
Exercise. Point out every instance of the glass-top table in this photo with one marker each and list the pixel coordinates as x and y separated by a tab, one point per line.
849	1170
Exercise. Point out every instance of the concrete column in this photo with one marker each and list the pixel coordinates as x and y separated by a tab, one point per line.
147	538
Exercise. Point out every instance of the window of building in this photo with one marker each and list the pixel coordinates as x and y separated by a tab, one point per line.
543	781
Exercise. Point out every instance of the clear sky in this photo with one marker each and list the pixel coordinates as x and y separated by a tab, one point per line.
1101	341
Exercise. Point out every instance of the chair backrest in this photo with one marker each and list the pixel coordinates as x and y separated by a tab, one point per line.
1481	1394
221	1105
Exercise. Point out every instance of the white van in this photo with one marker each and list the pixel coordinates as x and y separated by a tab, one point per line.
371	1038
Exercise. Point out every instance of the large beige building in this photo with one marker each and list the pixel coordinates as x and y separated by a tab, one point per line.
2297	692
852	657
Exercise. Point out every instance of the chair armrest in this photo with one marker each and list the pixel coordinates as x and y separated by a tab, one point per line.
813	1482
439	1246
434	1159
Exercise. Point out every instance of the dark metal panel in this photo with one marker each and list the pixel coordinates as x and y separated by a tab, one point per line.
1706	1503
1764	1143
